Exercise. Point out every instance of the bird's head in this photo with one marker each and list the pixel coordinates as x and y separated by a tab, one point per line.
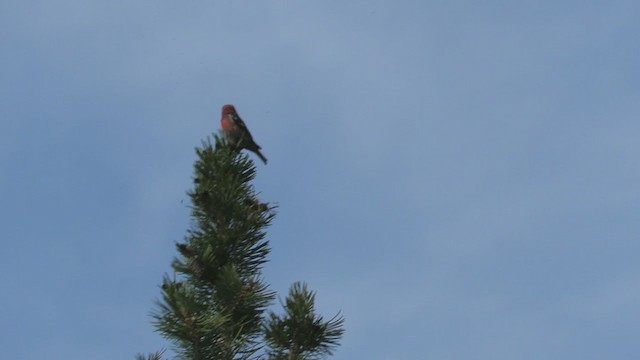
228	109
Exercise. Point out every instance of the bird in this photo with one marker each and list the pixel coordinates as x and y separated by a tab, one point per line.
237	133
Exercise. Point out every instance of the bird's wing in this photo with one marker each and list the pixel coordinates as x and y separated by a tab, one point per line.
242	125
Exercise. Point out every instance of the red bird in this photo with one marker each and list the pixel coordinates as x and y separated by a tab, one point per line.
236	132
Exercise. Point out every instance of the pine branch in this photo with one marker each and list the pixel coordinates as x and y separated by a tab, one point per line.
300	333
154	356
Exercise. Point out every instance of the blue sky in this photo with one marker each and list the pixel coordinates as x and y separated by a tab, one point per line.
460	179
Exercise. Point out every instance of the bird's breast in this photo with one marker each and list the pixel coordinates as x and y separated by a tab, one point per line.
227	125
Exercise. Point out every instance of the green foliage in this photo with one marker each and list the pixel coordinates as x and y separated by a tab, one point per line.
154	356
213	307
300	333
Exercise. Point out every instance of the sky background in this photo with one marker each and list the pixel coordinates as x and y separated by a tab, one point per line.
460	179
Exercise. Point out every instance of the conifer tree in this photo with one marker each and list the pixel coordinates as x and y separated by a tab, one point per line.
212	307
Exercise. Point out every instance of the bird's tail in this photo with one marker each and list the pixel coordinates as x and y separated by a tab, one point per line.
264	159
